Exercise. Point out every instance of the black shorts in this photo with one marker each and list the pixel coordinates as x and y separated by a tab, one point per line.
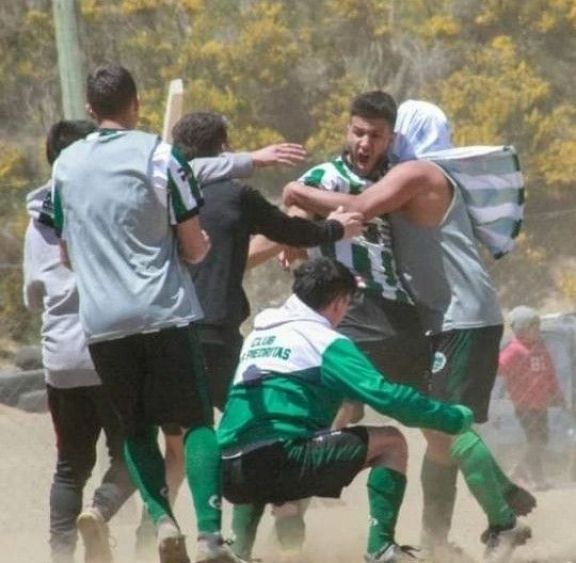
288	470
221	347
155	379
390	334
464	367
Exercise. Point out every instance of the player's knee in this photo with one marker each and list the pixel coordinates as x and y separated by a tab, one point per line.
388	447
286	510
438	445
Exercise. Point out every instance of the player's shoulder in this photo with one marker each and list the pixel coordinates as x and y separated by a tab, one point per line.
334	175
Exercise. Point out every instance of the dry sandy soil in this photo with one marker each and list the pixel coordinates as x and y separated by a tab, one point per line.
336	532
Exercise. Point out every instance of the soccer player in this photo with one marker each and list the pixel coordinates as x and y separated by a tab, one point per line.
294	372
232	214
79	408
433	244
126	205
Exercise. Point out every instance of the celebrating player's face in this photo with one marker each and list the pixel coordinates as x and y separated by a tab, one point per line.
367	141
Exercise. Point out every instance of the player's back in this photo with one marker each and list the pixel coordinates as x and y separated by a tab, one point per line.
121	244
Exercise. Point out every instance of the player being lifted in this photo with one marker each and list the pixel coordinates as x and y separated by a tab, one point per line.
421	223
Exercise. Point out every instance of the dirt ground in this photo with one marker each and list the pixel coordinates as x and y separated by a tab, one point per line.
336	531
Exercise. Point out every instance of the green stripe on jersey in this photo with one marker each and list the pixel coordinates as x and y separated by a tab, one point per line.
189	174
177	203
362	264
58	212
314	179
186	180
355	185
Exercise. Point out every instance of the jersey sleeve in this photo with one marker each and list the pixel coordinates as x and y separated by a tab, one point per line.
313	177
267	219
54	203
345	367
172	174
222	167
32	287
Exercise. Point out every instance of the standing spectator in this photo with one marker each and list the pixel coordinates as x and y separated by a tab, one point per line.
77	403
530	379
126	205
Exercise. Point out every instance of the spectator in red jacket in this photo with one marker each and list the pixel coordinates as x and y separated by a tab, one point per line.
530	379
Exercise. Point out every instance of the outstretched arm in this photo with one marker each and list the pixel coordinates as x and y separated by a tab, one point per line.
344	367
287	229
242	164
391	193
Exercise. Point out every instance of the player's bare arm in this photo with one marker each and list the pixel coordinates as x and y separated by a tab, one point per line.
193	242
64	256
406	187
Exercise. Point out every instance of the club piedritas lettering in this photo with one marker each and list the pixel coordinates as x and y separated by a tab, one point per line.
262	341
261	348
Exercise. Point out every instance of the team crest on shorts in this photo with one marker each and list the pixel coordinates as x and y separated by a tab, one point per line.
215	502
439	362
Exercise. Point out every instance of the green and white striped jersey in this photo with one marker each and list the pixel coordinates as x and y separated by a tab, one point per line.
294	372
370	255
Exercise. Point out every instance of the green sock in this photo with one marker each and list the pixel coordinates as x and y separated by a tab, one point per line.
478	467
439	495
385	493
146	467
245	520
503	481
204	478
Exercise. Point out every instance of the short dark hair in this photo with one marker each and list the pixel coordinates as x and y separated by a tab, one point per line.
319	282
200	133
110	90
64	133
375	104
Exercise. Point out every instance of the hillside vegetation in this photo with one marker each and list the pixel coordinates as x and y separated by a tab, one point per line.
503	71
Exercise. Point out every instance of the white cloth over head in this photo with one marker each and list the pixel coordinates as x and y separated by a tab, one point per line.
489	176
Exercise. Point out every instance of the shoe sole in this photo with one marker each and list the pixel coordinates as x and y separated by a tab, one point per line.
95	540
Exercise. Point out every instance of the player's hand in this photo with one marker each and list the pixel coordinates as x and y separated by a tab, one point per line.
281	153
352	221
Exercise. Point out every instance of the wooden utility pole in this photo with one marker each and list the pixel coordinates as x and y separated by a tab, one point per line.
69	58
